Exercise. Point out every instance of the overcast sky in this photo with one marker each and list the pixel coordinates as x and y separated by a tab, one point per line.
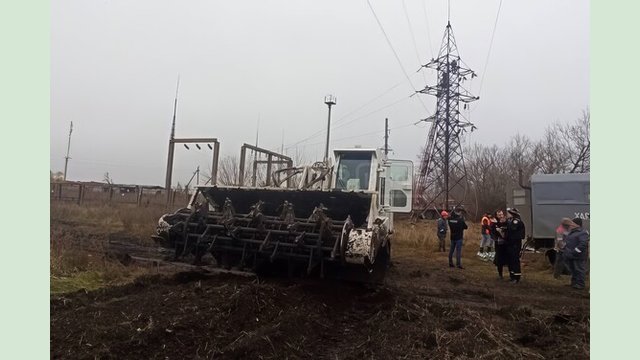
114	66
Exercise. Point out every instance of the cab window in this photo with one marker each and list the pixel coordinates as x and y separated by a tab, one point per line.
354	170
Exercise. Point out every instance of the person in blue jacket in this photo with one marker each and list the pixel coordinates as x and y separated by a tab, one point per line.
575	251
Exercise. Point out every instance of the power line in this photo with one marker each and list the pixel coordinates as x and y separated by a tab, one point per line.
319	132
413	37
373	132
396	54
361	135
493	33
372	112
355	119
426	18
338	123
369	102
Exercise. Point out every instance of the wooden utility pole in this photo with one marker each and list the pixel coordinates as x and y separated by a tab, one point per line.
386	136
167	185
66	158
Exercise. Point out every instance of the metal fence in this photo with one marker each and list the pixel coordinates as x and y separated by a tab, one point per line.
82	193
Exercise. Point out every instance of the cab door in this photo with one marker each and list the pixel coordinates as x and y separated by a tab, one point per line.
398	186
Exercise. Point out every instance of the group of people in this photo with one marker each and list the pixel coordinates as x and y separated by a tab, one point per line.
501	242
501	238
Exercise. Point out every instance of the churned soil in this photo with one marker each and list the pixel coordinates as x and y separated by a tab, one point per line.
423	310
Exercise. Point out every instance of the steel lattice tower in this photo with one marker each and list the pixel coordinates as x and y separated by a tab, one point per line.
442	178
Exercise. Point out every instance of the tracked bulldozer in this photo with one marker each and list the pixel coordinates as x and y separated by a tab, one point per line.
334	219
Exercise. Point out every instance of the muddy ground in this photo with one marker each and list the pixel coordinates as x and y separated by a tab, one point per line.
424	310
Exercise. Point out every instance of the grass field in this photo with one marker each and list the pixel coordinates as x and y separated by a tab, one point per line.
79	234
101	308
420	238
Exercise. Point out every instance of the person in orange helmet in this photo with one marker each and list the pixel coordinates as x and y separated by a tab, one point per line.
442	229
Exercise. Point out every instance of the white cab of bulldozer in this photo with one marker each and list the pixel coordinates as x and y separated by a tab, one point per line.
369	171
389	182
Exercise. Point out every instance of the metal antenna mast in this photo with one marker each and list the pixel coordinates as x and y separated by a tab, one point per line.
66	158
330	100
443	178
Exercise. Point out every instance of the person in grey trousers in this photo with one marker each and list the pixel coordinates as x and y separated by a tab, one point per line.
442	230
575	252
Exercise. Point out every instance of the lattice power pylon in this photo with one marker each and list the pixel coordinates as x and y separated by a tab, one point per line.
442	181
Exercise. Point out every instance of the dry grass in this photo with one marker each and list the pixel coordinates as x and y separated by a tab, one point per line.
78	263
79	235
421	239
422	235
138	222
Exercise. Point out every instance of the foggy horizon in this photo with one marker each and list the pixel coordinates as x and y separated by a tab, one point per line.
114	67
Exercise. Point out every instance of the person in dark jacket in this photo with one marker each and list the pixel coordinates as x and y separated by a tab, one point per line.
513	240
442	230
575	251
457	226
498	232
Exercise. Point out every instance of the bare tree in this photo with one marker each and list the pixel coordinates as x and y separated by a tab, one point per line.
487	177
552	152
578	137
490	169
565	147
229	169
519	153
